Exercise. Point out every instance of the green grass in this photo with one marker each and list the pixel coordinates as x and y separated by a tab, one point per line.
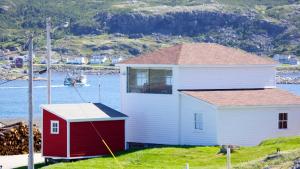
176	157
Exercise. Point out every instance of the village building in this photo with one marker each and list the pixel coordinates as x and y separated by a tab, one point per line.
72	131
116	60
98	59
204	94
286	59
76	60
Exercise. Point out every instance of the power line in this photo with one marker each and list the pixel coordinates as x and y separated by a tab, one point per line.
39	71
77	91
98	132
12	80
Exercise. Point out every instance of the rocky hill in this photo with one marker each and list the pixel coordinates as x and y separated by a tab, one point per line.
129	28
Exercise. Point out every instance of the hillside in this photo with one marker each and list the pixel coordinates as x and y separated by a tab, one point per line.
129	28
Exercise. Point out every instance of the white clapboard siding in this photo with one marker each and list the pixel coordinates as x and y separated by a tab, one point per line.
226	77
190	135
249	126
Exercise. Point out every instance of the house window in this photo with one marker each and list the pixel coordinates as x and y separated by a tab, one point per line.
141	78
283	121
54	127
144	80
198	121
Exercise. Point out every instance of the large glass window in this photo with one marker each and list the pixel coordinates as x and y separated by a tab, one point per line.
140	80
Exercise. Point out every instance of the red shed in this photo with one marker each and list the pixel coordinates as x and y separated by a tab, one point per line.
72	131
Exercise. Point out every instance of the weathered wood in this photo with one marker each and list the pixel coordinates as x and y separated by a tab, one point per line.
14	139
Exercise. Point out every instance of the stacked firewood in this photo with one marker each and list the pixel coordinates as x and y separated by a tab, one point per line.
14	139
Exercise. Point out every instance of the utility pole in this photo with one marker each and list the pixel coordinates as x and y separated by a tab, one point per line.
48	31
30	95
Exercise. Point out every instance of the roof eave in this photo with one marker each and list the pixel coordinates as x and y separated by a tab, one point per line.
257	106
96	119
197	65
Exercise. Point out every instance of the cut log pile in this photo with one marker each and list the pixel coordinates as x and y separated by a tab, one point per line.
14	139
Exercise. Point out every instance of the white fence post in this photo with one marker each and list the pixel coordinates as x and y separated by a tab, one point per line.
228	158
187	166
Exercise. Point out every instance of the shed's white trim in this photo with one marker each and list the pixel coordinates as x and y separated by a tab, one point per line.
98	119
84	119
69	158
51	126
68	139
42	128
52	112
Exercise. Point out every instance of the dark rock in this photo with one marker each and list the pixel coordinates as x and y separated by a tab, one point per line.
183	23
134	51
79	29
296	164
136	36
104	47
273	156
61	50
233	148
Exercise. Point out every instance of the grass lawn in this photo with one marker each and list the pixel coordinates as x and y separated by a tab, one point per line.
176	157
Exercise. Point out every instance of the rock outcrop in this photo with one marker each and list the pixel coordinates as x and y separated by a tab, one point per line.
247	32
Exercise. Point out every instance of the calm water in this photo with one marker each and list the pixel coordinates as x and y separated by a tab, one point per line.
14	95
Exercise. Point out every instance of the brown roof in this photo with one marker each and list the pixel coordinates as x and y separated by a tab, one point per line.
251	97
199	54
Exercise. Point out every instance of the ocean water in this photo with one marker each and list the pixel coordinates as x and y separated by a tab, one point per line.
14	95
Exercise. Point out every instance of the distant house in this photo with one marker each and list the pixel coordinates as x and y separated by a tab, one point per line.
44	61
77	60
204	94
19	61
286	59
116	60
98	59
26	57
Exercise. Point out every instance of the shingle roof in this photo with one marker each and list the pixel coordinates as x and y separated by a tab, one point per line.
199	54
83	111
251	97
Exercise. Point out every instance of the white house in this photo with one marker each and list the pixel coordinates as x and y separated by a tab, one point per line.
98	59
77	60
286	59
116	60
205	94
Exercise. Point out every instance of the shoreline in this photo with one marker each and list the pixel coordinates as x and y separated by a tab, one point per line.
13	74
36	121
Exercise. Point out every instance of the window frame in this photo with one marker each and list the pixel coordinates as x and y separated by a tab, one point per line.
148	89
52	127
197	121
282	121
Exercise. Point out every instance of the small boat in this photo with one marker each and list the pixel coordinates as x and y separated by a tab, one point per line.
75	79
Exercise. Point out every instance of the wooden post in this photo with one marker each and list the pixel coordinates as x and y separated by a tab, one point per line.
228	154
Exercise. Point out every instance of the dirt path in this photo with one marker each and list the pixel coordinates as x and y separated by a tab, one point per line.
15	161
